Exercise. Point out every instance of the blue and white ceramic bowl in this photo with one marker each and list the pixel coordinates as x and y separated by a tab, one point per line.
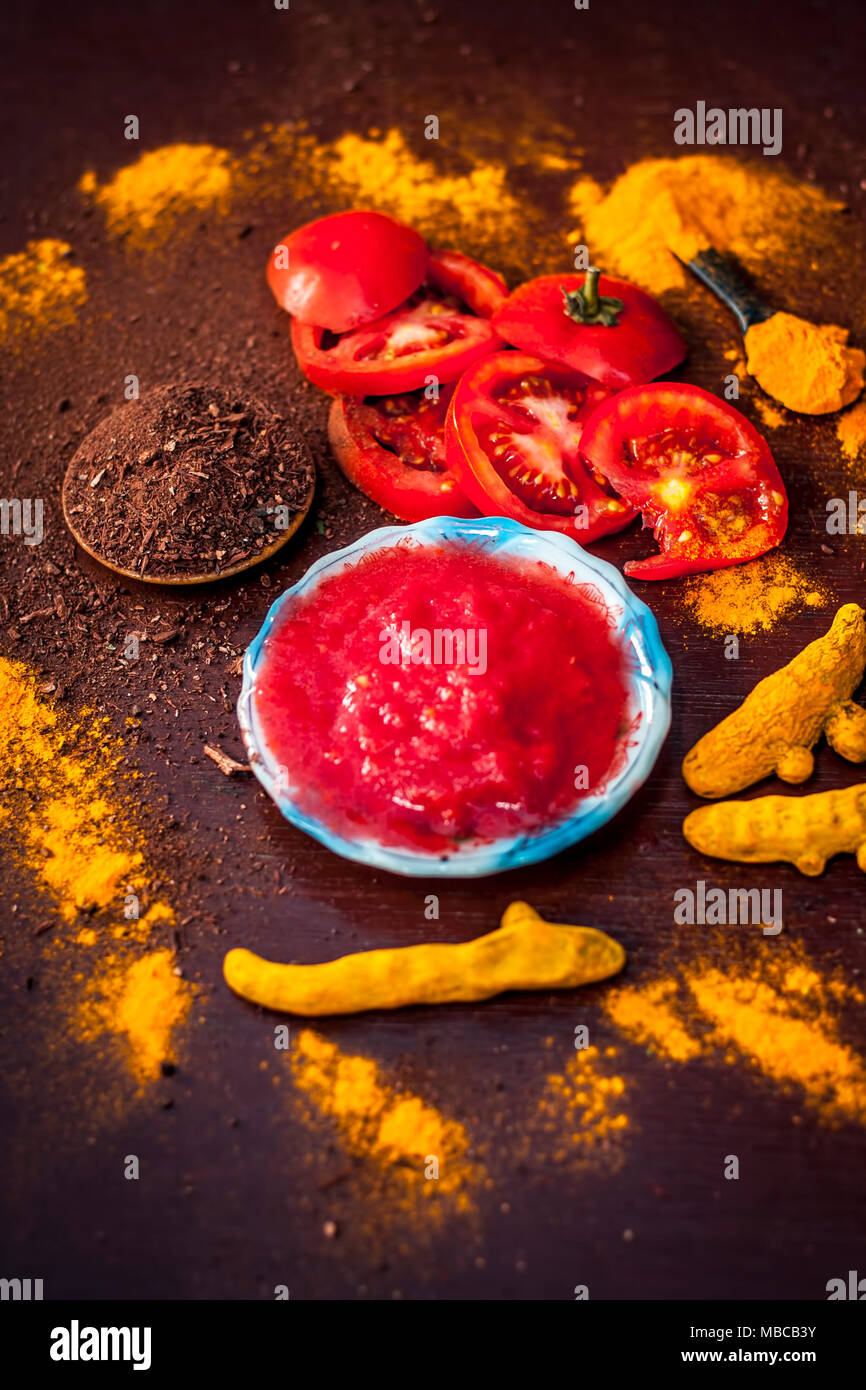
649	681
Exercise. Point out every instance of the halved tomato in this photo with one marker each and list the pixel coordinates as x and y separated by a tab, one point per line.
393	449
607	329
347	269
700	473
439	332
513	435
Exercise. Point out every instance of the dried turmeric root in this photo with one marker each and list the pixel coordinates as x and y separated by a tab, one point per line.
802	830
776	726
525	952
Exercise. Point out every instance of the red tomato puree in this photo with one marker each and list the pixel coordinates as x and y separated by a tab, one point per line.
427	696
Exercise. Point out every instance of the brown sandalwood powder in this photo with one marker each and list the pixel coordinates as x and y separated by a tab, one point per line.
187	483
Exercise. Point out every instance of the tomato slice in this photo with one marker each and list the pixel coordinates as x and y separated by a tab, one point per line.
346	270
393	449
641	342
476	285
700	473
513	434
439	332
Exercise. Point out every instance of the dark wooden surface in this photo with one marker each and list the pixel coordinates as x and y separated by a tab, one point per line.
235	1190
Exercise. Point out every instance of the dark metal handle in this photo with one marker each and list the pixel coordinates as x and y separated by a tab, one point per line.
727	283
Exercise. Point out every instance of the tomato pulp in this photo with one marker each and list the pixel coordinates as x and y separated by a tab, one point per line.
441	330
513	435
431	695
700	473
393	449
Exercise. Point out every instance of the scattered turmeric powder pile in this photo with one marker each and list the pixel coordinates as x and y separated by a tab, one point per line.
72	831
657	1016
386	169
144	202
648	1013
806	366
772	418
455	196
851	431
757	1021
473	208
659	205
776	1014
40	288
425	1153
142	1002
581	1109
753	597
57	775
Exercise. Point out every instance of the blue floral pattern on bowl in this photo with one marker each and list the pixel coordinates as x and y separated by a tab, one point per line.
649	682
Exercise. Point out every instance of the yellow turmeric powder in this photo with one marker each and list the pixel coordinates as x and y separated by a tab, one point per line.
804	831
851	431
581	1108
806	366
143	1002
153	200
661	212
751	597
474	208
385	170
753	1017
71	831
763	217
775	727
456	196
524	953
648	1014
776	1012
424	1152
75	834
771	417
40	288
145	202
